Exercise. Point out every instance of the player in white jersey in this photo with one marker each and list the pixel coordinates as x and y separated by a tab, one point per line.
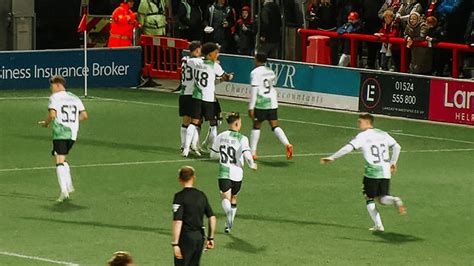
264	105
65	111
186	96
204	104
231	148
375	145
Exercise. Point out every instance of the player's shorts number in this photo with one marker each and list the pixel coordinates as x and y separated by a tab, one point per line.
267	85
69	113
380	153
227	154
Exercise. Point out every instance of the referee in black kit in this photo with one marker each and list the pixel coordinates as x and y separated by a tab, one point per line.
189	207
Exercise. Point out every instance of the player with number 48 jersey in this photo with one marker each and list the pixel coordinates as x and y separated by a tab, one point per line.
231	148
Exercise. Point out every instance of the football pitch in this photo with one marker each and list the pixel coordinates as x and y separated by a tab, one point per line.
298	212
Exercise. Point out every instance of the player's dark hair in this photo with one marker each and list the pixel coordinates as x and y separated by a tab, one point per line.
186	173
367	116
194	45
208	48
261	57
120	258
232	117
57	79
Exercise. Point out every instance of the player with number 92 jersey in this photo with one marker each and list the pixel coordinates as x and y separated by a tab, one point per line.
375	145
230	148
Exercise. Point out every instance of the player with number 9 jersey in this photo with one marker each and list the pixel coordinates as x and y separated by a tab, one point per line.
264	95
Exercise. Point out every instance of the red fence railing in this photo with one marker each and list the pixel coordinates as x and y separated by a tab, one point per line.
162	56
355	38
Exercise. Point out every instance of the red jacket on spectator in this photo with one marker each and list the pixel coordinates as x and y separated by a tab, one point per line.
389	30
121	28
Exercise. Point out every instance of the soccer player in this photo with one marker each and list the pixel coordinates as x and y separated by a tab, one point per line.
264	105
185	99
375	145
189	207
65	111
203	103
231	147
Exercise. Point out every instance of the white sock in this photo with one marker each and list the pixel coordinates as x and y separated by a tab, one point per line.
183	135
234	211
206	139
195	141
254	137
228	211
281	136
391	200
69	185
374	213
189	136
61	171
212	135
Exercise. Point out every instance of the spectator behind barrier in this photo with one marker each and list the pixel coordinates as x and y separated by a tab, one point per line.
353	25
152	17
245	33
270	29
322	15
369	15
469	36
421	57
190	20
392	5
389	29
221	26
408	7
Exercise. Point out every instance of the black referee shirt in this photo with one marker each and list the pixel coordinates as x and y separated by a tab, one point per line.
189	206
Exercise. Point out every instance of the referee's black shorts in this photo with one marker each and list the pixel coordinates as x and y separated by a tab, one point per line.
374	188
206	110
185	105
269	114
62	146
191	244
226	184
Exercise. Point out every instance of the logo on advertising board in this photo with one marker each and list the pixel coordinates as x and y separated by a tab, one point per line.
452	101
370	93
395	95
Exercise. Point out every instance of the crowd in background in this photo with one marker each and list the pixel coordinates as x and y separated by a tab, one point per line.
239	29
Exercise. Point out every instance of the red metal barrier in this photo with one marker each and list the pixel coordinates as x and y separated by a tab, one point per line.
162	56
354	38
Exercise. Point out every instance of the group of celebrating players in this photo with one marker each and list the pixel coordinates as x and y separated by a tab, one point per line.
197	102
201	72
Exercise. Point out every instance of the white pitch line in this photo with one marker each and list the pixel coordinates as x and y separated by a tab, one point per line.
282	119
206	159
5	253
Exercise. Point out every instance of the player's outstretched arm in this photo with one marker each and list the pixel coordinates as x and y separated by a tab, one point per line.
343	151
249	159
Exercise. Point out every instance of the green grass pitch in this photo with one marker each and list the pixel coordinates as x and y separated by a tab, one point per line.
298	212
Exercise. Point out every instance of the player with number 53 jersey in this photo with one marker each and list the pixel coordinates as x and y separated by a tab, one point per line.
65	111
231	148
379	165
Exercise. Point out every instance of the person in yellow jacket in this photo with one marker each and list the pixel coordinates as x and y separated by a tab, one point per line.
151	15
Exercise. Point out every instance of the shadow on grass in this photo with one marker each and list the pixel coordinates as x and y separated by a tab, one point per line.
243	246
155	230
113	144
274	163
293	221
389	238
66	206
